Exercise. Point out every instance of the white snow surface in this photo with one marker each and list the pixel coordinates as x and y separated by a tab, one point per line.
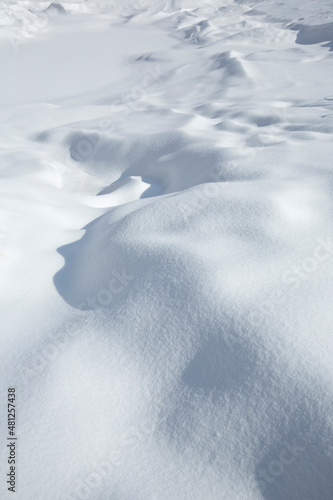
166	248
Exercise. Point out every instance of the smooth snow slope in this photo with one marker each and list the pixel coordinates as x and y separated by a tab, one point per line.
166	248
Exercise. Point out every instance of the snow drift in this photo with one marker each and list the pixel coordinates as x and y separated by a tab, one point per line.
166	248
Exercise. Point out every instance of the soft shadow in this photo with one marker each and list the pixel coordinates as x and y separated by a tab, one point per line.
219	365
309	35
98	272
299	466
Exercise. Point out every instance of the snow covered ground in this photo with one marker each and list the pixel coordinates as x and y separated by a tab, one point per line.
166	248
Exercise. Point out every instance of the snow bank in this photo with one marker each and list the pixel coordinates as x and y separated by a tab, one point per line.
166	248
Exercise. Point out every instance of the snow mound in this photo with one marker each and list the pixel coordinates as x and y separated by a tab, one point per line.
54	8
166	248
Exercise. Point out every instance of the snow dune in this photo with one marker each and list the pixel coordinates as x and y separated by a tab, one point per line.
166	248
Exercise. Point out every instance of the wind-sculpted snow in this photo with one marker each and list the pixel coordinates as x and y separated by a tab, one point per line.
316	34
166	248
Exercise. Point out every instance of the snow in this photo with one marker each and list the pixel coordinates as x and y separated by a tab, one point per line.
166	248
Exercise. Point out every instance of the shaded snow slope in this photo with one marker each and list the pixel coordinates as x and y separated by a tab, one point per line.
166	248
